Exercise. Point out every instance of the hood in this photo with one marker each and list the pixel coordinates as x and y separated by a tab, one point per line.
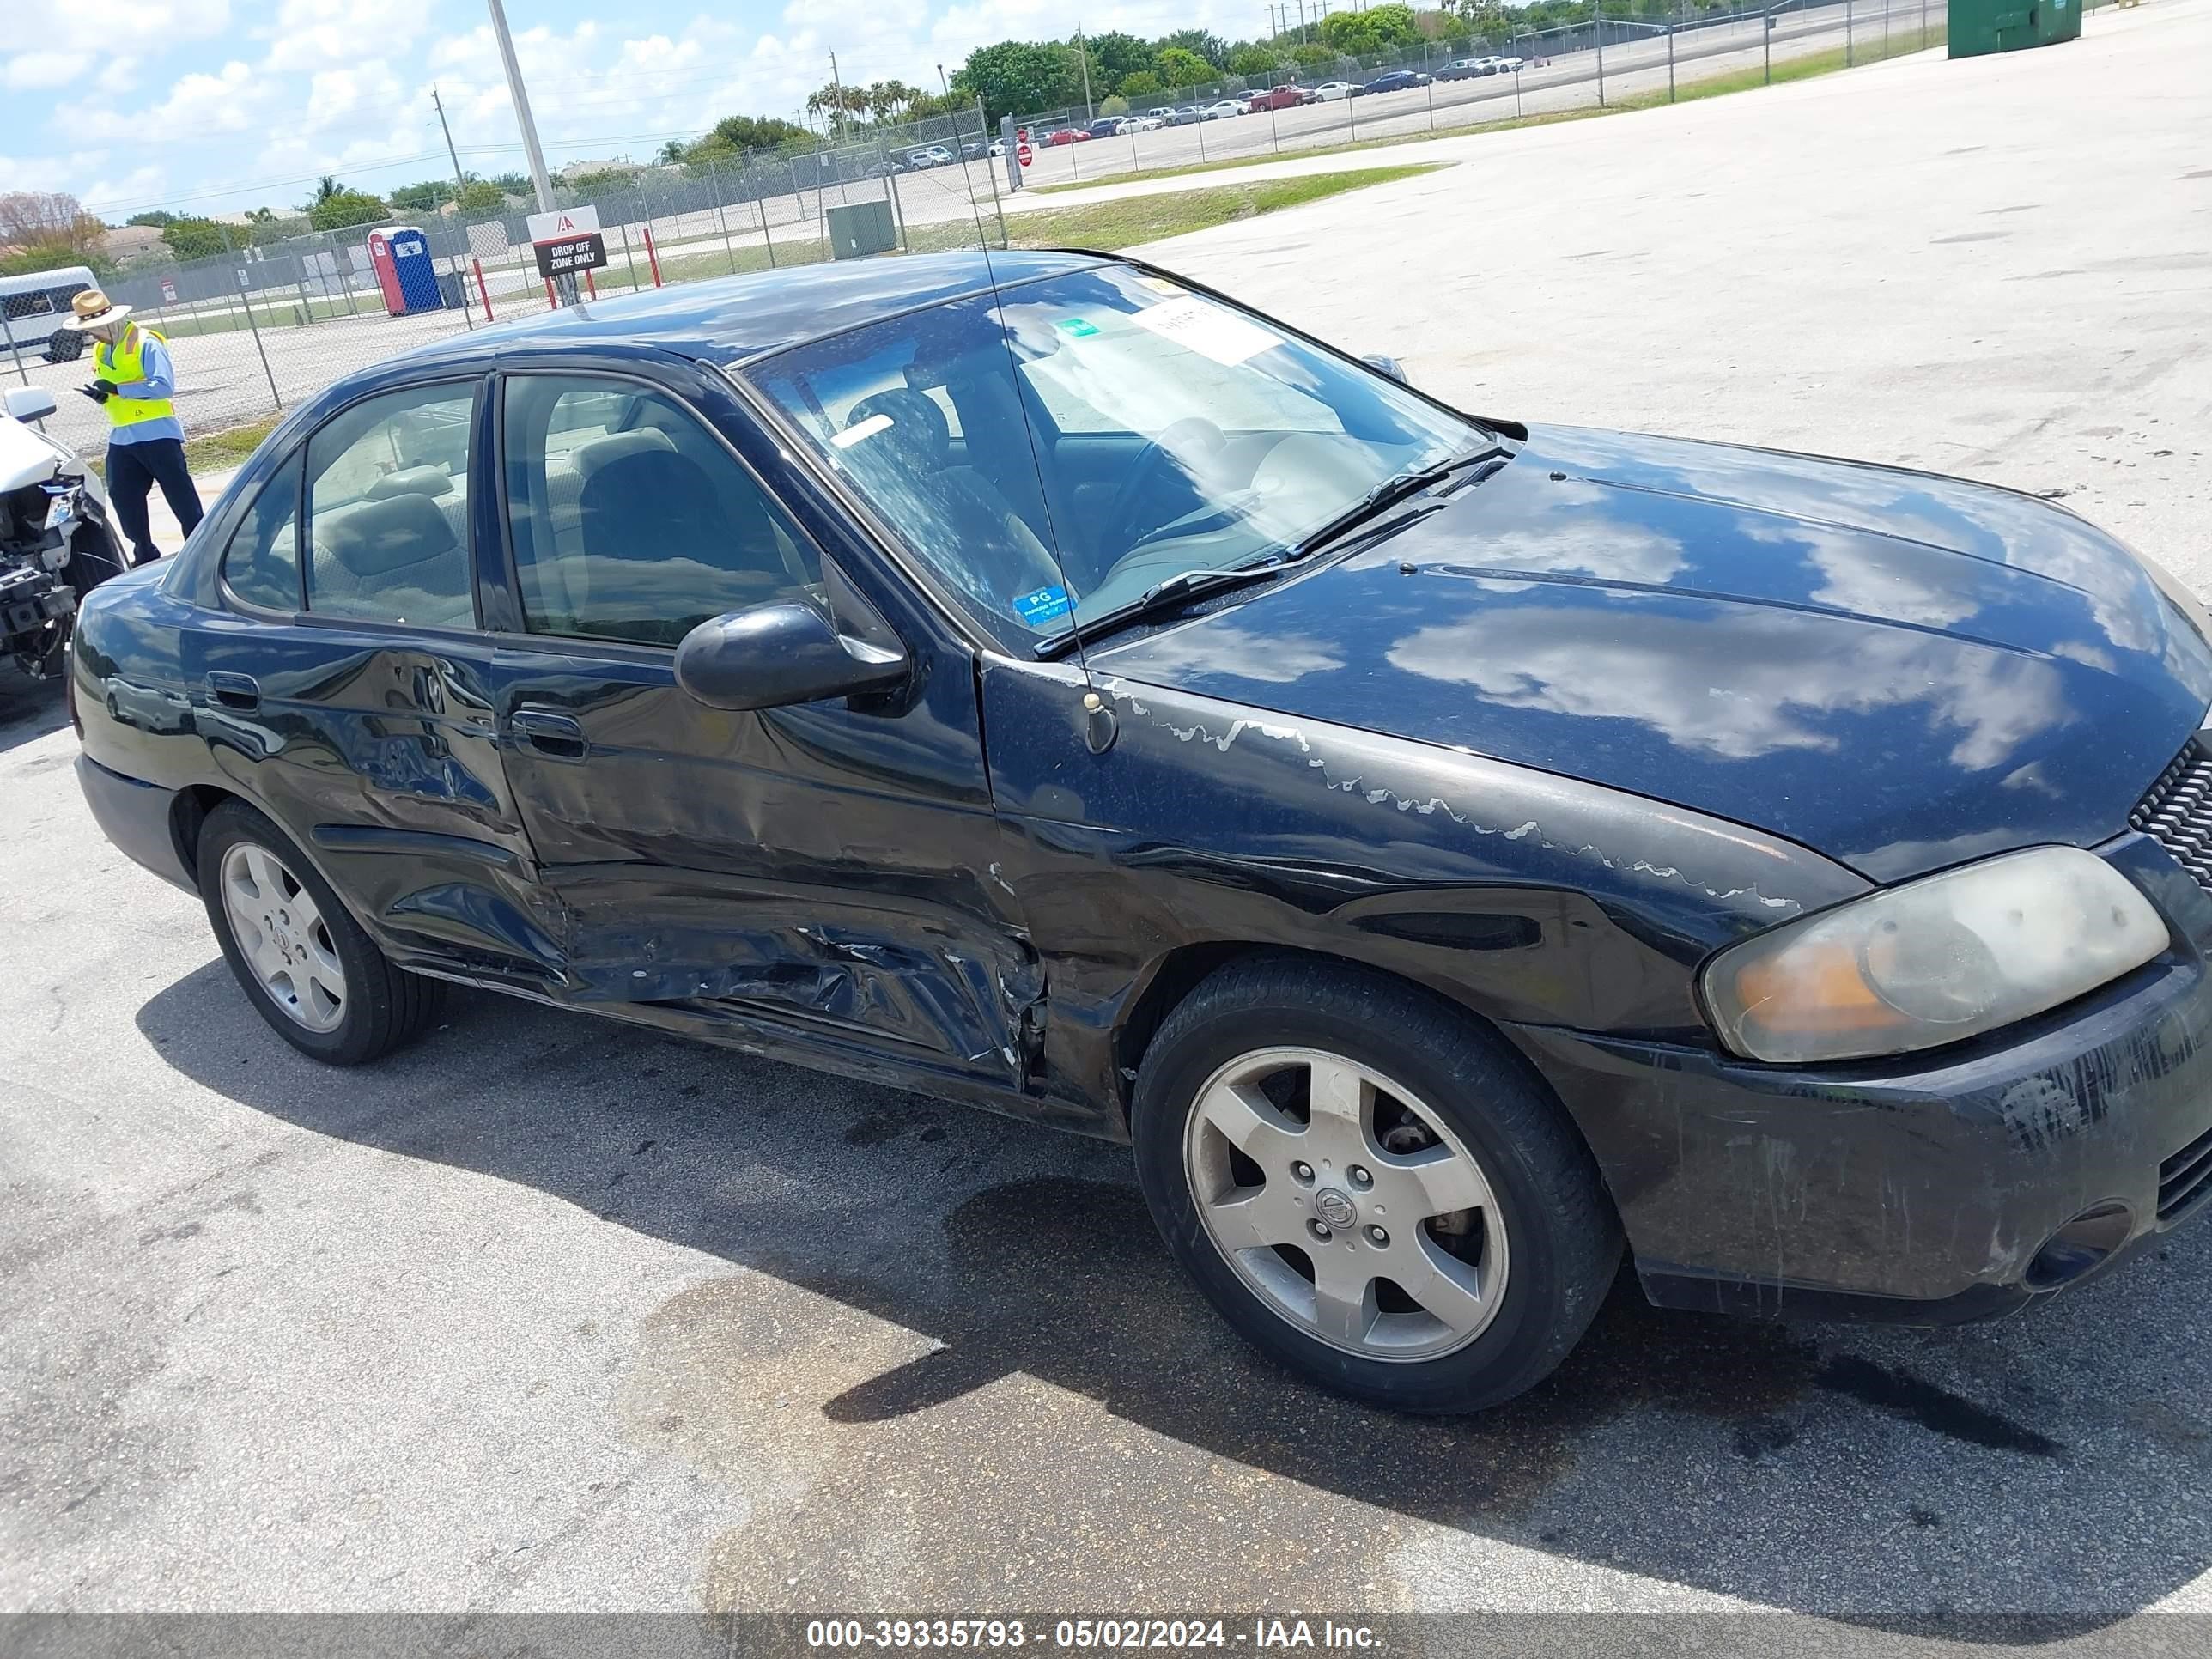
1897	670
27	458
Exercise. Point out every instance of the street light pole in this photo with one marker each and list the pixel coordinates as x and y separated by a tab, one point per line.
1082	56
460	218
564	284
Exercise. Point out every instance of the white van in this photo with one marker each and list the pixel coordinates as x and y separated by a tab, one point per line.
36	305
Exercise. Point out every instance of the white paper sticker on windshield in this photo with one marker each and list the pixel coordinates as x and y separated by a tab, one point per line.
860	429
1206	329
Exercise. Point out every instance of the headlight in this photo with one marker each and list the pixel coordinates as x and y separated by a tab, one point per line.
1933	961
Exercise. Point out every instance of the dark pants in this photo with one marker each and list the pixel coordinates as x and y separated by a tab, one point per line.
133	469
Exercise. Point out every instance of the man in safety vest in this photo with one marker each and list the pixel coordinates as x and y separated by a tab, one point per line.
135	384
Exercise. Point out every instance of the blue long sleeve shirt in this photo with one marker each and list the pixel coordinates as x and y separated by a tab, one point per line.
160	372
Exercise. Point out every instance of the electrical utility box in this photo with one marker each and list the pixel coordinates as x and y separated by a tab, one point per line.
861	228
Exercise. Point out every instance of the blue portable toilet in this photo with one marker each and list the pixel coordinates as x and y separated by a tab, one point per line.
418	275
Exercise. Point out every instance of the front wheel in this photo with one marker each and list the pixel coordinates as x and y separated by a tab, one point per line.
302	960
1367	1185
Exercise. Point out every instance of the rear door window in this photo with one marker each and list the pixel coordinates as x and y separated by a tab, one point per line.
261	566
388	509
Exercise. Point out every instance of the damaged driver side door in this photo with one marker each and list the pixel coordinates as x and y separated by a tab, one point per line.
818	874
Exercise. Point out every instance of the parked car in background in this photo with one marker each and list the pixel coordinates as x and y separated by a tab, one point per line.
1221	109
1398	80
929	155
1068	136
1287	96
1189	115
1510	65
38	311
1108	126
1467	69
1458	850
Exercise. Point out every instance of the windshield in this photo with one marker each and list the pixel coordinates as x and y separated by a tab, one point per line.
1134	431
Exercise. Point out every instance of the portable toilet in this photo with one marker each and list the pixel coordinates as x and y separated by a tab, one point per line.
387	274
417	273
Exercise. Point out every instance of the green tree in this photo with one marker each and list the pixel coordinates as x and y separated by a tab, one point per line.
343	206
1379	28
1113	104
50	255
1115	56
514	183
477	197
190	238
422	198
1180	67
1142	85
756	131
1314	59
158	216
1255	60
1199	44
1017	77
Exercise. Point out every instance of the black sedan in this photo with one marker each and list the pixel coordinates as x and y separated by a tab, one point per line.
1398	80
1450	852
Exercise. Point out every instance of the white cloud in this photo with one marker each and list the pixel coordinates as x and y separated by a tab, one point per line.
31	71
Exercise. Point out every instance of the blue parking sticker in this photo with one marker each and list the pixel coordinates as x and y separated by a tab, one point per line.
1077	327
1042	607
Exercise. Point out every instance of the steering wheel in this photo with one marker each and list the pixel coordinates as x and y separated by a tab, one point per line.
1191	440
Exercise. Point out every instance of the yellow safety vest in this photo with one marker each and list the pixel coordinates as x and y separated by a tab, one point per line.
123	365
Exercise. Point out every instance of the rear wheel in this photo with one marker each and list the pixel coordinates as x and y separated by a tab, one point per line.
304	963
1368	1186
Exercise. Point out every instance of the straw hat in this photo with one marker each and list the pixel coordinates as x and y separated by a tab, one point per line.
96	310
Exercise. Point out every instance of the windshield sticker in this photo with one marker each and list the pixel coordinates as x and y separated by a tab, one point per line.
1159	285
1042	607
1076	327
1208	330
860	429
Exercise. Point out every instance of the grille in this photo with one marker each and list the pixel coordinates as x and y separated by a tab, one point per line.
2185	1177
2177	813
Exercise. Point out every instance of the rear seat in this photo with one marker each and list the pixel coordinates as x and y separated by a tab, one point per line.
399	557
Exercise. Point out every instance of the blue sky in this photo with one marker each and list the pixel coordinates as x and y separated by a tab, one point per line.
214	105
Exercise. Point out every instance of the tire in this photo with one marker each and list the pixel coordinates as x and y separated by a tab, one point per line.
360	1012
1539	1238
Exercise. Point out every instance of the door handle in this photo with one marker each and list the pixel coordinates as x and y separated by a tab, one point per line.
557	737
239	691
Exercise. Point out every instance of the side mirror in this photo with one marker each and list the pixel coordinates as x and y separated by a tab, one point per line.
1390	366
770	656
30	403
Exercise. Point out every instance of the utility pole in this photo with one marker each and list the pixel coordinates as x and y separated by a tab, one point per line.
837	92
460	183
1082	56
944	80
565	284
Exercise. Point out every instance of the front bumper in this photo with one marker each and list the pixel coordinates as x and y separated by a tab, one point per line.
1925	1190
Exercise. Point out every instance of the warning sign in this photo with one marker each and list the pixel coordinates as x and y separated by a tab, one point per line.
562	223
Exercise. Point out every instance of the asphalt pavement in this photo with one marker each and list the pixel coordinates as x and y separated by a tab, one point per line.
548	1315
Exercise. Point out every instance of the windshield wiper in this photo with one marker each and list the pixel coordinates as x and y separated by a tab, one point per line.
1391	491
1167	594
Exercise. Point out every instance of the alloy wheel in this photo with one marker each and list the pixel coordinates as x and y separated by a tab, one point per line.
1346	1204
282	934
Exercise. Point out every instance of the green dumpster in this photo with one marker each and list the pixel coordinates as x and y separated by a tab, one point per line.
1985	25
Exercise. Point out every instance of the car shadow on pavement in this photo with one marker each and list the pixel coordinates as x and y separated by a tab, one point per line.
1940	1483
29	708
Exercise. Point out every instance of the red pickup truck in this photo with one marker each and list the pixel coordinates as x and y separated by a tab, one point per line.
1283	97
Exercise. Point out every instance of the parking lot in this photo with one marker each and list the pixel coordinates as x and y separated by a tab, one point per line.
551	1315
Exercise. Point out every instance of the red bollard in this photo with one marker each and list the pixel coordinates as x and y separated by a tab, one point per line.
483	287
651	258
591	287
552	303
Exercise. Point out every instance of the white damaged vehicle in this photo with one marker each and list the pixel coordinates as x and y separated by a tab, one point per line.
55	541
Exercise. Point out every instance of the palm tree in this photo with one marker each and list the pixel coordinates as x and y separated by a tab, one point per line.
326	187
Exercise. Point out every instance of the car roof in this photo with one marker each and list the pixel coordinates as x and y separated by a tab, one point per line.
727	319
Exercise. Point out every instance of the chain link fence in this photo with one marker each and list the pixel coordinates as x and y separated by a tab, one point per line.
263	326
